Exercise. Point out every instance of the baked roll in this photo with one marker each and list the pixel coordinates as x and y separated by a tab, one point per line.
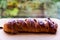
30	26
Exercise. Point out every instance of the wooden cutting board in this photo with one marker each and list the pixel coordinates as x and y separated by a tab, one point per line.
28	36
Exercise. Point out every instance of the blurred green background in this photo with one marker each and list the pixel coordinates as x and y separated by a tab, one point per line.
29	8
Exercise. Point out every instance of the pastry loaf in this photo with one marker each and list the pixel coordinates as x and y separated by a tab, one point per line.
31	25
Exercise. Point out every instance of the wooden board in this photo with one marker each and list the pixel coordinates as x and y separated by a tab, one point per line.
28	36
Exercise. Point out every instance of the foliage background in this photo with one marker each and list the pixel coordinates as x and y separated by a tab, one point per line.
29	8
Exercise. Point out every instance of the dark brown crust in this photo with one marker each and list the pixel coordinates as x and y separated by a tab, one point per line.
30	26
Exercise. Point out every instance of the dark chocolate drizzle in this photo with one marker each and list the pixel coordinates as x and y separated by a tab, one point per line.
32	23
41	23
48	18
51	24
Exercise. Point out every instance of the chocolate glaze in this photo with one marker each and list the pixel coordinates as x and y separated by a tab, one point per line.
50	22
41	23
30	22
31	25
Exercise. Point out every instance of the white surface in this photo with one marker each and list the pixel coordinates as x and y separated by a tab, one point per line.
5	36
